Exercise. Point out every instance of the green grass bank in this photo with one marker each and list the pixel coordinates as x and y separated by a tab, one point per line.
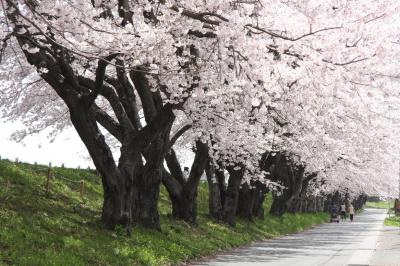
62	228
393	221
380	204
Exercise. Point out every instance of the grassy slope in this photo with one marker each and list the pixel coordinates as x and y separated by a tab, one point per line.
63	229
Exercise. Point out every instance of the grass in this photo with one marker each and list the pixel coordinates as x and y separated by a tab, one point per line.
380	204
61	228
393	221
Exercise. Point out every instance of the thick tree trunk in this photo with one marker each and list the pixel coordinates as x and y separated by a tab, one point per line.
297	178
188	205
146	193
245	202
292	178
188	198
280	198
173	181
251	198
327	203
278	207
174	189
183	193
336	198
295	205
214	192
359	202
112	180
220	175
232	194
303	205
145	211
258	206
131	190
112	210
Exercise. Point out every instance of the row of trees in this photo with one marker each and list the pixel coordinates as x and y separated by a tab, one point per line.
294	98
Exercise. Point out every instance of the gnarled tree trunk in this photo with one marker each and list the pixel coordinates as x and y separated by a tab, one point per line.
291	176
232	193
215	190
183	193
131	188
260	193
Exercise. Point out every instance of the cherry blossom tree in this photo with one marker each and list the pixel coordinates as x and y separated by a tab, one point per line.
244	78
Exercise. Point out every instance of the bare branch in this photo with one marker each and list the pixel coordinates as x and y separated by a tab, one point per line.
203	17
107	122
293	39
177	135
100	74
352	61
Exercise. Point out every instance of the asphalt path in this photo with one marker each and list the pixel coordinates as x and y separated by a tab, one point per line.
346	243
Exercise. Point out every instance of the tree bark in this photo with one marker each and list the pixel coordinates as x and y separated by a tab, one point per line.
280	172
188	199
260	192
220	175
232	193
130	189
290	176
214	192
112	180
183	193
246	202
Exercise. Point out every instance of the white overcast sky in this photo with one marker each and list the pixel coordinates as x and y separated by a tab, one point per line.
67	148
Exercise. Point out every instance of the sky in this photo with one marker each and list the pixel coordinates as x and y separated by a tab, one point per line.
67	148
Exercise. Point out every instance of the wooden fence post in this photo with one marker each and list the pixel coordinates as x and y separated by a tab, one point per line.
48	179
82	188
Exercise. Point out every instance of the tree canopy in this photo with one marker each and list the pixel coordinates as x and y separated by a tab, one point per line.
237	81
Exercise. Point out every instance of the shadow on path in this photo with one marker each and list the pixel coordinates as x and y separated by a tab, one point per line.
328	244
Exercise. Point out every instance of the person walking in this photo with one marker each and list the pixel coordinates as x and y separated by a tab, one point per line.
351	212
343	211
186	173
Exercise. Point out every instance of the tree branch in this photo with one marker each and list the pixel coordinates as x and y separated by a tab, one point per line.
177	135
107	122
200	34
100	74
109	93
352	61
293	39
203	17
174	166
153	129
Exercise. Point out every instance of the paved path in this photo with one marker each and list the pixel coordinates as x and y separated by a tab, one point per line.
346	243
387	248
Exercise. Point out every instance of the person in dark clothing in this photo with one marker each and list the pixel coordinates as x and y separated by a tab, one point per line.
343	211
334	213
